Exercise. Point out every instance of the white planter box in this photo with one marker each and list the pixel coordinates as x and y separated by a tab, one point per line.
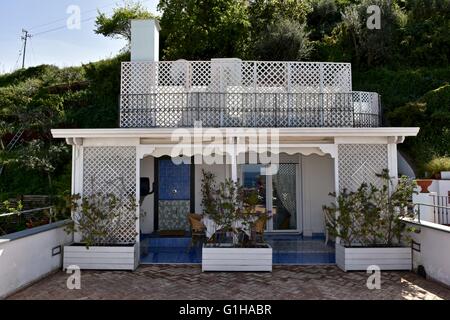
102	257
236	259
358	259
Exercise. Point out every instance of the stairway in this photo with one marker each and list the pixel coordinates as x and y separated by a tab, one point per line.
12	143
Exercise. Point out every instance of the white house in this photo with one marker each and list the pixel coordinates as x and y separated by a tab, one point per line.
304	117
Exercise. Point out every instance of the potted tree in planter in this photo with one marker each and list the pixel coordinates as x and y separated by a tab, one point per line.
438	168
233	247
368	225
96	219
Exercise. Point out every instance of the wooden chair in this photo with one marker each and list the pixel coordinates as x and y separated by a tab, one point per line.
259	226
198	229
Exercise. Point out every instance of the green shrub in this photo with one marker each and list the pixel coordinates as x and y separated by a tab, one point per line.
95	215
436	165
371	216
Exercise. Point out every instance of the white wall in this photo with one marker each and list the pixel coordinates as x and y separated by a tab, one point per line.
404	168
441	187
433	255
444	187
317	183
26	259
144	40
220	170
147	204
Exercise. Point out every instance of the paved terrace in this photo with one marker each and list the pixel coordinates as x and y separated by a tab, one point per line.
188	282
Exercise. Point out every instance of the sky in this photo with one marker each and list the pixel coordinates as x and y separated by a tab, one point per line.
52	42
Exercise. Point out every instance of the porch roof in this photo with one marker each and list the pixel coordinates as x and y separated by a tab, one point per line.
237	132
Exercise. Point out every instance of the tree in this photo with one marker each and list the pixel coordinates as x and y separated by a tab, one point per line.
425	37
284	40
264	13
369	47
206	29
118	25
38	156
371	215
322	18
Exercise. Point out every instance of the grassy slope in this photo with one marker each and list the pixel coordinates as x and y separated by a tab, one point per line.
414	97
91	106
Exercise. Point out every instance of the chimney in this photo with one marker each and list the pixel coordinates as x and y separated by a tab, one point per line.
145	40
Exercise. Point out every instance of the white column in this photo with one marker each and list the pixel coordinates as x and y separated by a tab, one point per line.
145	40
72	184
77	177
78	170
233	156
138	185
336	186
392	162
336	171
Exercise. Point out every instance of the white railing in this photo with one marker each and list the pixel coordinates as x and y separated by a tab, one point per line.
17	218
235	76
231	92
174	110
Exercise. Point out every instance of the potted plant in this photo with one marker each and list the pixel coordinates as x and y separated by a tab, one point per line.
439	168
368	225
424	184
97	218
234	246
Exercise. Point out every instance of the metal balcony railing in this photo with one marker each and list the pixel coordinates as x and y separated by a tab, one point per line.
15	221
260	109
441	209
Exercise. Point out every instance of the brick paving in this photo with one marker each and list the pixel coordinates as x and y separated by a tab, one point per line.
188	282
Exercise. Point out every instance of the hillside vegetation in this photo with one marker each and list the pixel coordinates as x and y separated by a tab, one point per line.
406	61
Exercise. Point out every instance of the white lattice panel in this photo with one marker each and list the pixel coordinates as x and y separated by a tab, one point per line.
360	163
231	92
247	76
113	170
138	77
200	76
305	77
337	77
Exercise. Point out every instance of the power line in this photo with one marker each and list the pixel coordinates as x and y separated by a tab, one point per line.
61	27
17	61
27	35
65	26
65	18
32	52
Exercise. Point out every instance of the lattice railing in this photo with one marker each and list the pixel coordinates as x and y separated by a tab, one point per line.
113	170
360	163
233	75
355	109
231	92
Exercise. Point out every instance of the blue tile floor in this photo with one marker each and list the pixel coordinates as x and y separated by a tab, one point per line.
287	249
295	249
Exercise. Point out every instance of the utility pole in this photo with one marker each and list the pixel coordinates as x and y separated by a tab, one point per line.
25	37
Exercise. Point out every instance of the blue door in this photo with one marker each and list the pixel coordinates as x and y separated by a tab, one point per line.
174	195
